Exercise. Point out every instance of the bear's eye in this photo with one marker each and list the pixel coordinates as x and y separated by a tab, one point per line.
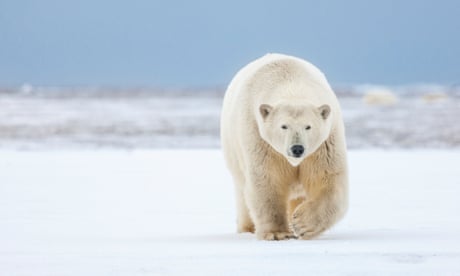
284	126
308	127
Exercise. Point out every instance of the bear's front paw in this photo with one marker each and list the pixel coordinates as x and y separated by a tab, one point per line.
275	236
306	225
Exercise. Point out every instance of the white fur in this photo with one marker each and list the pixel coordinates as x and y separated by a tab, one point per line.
278	195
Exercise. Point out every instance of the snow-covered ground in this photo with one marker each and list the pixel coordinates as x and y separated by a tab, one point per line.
170	212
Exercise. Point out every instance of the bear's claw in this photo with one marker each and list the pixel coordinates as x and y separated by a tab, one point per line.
276	236
305	232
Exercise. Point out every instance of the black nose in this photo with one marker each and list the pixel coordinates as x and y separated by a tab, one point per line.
297	150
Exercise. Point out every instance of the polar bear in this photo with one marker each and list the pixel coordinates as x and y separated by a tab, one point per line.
283	139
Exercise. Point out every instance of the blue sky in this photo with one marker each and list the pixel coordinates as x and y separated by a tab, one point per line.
204	42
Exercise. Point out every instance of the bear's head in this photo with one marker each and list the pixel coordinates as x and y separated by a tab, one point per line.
294	130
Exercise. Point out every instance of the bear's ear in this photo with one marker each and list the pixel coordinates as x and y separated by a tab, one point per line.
265	110
324	110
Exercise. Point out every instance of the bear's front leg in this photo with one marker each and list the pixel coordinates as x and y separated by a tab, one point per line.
267	205
327	204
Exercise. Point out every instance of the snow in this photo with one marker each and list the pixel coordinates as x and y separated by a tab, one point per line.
171	212
60	118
